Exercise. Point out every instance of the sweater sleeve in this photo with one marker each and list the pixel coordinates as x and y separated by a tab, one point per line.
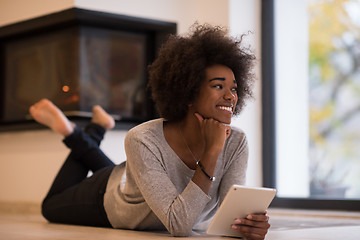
236	166
177	211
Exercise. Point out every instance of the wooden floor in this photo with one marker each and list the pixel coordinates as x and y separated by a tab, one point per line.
286	225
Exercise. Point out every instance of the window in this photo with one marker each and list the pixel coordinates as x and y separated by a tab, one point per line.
311	102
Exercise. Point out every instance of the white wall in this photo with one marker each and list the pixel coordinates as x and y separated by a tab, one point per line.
183	12
29	160
245	17
12	11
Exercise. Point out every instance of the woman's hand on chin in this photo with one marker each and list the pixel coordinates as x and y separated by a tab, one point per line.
214	132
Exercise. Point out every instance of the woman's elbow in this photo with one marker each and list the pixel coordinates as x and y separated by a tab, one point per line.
181	230
180	233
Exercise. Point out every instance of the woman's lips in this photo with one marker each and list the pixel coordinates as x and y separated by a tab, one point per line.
225	108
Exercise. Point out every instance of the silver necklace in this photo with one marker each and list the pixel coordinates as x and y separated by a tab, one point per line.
197	162
183	138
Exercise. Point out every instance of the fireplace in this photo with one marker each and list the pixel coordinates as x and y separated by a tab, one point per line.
78	58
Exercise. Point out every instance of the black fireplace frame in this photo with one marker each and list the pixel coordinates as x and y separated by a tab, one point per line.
156	31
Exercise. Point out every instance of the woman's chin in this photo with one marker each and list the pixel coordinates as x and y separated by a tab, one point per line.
224	120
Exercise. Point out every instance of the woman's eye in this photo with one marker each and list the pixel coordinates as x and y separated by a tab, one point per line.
218	86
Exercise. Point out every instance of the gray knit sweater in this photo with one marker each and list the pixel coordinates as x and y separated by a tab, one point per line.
154	191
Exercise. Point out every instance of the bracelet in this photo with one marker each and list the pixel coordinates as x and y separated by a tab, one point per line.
203	170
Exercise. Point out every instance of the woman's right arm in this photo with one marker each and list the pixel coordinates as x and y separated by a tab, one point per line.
214	134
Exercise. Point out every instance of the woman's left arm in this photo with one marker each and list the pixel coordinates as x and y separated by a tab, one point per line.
254	226
235	155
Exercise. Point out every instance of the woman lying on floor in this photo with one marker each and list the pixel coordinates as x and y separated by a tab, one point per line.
179	167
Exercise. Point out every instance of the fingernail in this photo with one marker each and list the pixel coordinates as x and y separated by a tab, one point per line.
249	217
234	227
237	221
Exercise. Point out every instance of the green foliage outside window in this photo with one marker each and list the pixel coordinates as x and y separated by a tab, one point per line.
334	98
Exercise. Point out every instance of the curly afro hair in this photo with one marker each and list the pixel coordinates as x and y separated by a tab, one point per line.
177	74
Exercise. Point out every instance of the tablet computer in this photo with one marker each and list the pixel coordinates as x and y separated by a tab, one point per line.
239	202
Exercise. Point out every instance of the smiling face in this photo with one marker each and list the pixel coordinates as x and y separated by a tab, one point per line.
217	97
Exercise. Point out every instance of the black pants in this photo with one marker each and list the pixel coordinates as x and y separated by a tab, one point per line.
73	197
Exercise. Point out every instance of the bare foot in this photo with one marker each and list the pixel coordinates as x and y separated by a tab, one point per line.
102	118
46	113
